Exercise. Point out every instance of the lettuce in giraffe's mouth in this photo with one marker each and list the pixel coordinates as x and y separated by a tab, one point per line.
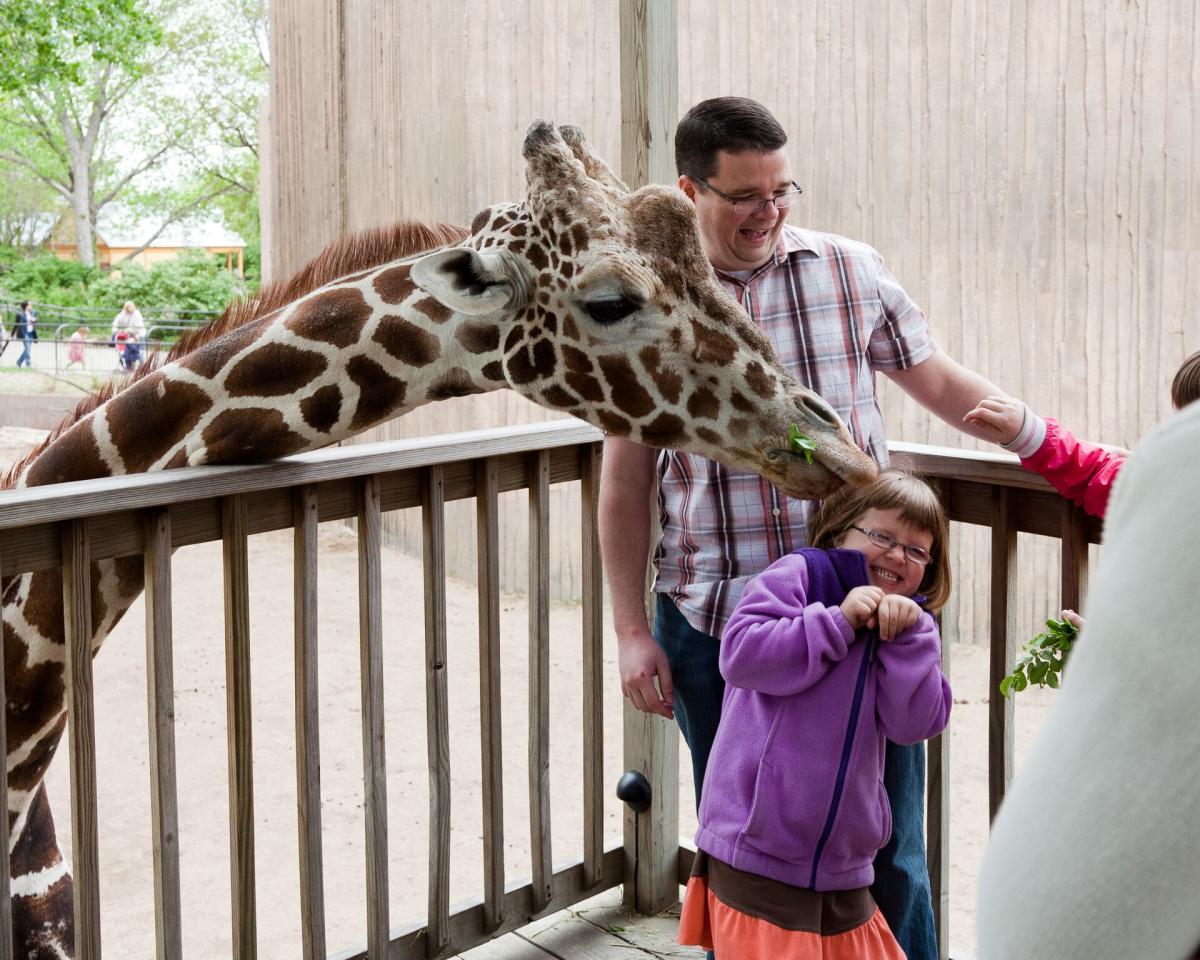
799	444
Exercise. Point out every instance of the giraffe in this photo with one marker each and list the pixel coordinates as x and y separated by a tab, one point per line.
584	297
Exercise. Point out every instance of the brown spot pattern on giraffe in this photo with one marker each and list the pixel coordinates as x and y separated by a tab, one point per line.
712	346
212	357
380	394
240	436
407	342
703	404
336	316
669	383
149	418
453	383
73	456
708	436
394	284
481	220
614	423
26	774
494	371
435	310
760	380
537	256
556	396
478	337
274	370
586	386
665	430
532	363
322	409
627	391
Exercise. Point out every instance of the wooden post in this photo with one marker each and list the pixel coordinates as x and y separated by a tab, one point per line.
81	731
6	937
1003	647
649	113
238	725
160	701
937	794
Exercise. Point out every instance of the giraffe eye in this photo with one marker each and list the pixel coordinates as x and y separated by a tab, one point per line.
611	309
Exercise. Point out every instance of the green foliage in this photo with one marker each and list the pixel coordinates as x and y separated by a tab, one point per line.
47	279
59	40
800	444
1042	659
193	281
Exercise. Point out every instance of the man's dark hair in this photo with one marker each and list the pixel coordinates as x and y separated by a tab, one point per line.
733	124
24	304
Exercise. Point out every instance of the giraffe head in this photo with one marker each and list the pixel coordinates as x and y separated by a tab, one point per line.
600	302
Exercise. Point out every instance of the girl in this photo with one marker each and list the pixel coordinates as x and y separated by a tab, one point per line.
828	654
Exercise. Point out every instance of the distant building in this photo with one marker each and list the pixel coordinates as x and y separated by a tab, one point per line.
118	235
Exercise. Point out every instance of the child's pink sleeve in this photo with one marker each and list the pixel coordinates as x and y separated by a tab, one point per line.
776	642
1082	472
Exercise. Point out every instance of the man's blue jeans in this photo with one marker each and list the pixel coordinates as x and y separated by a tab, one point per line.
25	360
901	885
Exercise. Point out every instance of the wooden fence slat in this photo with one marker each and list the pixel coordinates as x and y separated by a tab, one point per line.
539	680
81	728
593	666
238	725
490	727
1003	641
308	746
437	708
937	794
1074	555
370	625
160	701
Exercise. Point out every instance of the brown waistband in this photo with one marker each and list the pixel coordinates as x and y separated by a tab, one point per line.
785	906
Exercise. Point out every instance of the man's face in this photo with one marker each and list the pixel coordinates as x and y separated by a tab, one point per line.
731	240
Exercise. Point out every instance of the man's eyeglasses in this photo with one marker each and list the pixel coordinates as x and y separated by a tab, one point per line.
745	206
886	541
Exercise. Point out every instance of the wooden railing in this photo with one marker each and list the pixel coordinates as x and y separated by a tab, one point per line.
71	526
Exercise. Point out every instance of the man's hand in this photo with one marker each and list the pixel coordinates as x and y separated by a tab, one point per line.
895	614
1072	618
860	605
640	660
998	417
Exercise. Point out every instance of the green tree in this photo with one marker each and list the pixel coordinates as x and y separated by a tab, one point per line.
131	121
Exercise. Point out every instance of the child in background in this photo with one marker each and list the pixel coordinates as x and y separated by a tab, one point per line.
75	348
832	650
1082	472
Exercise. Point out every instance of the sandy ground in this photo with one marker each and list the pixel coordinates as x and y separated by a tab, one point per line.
125	855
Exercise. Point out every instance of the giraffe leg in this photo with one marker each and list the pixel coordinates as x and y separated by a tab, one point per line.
42	890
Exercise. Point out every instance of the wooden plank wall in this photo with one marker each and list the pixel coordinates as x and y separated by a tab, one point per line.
1028	170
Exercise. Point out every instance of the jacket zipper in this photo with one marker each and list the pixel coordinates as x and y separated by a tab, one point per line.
847	747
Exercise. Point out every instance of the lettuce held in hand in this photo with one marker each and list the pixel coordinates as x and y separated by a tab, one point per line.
800	444
1043	658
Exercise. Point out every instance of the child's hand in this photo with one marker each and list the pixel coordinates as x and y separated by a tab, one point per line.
896	614
860	605
999	417
1072	618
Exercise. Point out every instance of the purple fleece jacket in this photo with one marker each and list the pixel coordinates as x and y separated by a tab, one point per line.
794	789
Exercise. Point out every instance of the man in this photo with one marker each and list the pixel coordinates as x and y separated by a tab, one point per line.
835	316
26	329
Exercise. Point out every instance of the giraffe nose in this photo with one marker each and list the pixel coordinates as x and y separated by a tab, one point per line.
813	407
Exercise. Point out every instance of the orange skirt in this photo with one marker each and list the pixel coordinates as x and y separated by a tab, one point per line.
744	916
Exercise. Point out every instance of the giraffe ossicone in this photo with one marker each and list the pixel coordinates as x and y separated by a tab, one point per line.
585	297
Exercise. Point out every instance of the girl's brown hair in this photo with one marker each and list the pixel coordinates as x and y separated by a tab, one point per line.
1185	388
918	504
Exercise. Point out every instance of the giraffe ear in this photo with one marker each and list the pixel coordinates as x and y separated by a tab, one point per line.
464	280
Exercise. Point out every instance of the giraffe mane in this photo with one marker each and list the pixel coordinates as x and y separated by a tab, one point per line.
357	252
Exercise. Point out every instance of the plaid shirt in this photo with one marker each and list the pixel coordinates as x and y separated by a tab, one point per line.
834	315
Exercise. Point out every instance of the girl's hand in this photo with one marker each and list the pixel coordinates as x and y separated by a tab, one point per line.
1000	417
860	605
896	614
1072	618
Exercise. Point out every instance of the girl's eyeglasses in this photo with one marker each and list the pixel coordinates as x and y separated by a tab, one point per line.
886	541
